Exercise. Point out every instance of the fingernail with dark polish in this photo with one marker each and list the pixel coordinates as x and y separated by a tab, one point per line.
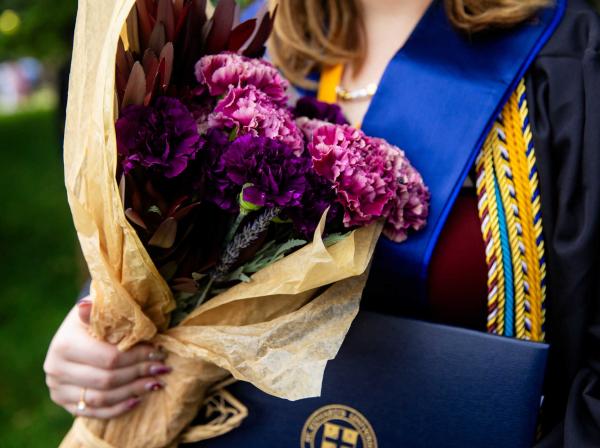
159	370
154	386
133	402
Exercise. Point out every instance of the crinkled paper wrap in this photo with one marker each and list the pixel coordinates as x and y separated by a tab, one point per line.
278	331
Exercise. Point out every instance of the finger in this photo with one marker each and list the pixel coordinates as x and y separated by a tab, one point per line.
102	399
90	351
107	412
82	375
84	308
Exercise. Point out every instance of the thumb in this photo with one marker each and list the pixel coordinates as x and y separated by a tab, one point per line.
84	306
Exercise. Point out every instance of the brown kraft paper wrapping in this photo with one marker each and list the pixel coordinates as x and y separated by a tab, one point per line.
277	331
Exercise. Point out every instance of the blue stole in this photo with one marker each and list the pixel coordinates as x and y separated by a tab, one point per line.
437	100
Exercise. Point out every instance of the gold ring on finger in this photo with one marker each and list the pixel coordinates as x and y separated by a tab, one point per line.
81	404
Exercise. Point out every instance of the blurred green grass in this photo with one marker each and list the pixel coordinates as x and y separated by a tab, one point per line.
38	275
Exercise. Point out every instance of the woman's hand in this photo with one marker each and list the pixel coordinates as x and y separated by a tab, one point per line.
110	382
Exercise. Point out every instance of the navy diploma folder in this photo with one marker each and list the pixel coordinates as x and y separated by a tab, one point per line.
404	383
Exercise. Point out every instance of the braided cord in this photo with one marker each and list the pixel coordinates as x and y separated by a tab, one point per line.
509	315
505	177
517	128
513	231
490	228
538	252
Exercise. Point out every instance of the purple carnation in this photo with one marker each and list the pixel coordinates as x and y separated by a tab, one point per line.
162	137
269	172
319	195
220	72
210	182
312	108
251	111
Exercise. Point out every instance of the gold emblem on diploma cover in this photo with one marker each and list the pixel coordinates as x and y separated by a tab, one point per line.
337	426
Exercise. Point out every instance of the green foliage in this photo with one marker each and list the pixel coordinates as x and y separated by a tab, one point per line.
270	253
38	279
45	30
335	238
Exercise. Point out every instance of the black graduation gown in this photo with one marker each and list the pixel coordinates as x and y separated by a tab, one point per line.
564	100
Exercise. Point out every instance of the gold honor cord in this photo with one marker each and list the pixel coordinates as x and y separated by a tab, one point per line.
488	213
508	161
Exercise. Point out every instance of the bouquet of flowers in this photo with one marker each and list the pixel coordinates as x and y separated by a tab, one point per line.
238	230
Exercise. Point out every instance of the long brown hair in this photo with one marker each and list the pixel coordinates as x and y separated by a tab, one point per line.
312	34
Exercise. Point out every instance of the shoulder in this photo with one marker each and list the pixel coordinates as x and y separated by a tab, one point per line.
577	35
567	70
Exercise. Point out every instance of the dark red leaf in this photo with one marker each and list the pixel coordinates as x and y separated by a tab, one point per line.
256	48
177	205
136	86
222	22
166	16
152	82
130	59
189	49
146	22
122	71
133	31
135	218
149	61
164	236
240	35
156	197
167	54
181	19
182	213
122	184
184	285
158	38
121	60
178	6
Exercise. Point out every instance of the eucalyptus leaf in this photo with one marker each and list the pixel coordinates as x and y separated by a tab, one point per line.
196	276
334	238
270	254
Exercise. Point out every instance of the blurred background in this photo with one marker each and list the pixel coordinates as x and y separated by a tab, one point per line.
40	271
41	266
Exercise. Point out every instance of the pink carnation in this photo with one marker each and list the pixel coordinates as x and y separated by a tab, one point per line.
372	178
221	71
250	111
409	208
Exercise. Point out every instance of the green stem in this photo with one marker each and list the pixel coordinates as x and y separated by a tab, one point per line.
202	298
235	226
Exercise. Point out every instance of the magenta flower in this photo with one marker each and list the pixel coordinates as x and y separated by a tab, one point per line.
162	138
410	207
222	71
250	112
372	178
